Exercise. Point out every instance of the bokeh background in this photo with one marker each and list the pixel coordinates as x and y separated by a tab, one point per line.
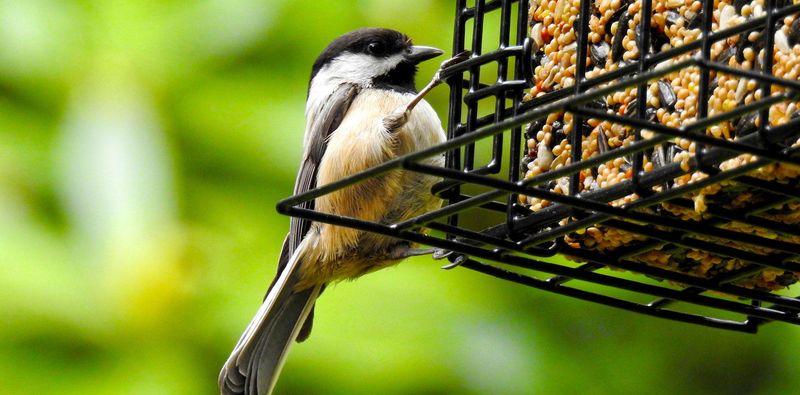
143	146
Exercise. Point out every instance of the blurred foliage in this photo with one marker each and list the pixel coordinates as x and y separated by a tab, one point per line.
143	146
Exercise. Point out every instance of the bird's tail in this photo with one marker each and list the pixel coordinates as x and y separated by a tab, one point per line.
255	363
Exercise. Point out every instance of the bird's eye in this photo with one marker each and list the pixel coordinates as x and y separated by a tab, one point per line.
376	48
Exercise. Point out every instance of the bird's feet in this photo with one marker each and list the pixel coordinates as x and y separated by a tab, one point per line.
403	251
397	119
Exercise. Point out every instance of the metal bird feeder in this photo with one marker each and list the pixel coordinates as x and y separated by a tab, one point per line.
551	152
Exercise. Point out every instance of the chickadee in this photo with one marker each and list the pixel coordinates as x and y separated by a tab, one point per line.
358	115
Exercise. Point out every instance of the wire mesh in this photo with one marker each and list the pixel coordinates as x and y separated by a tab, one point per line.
486	226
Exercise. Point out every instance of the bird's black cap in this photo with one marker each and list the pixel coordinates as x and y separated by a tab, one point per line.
379	43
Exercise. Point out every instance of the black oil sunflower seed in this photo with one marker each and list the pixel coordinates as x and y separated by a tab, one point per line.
659	157
633	108
523	165
726	55
666	95
713	84
639	36
597	104
558	136
696	21
657	39
672	17
533	128
599	54
746	125
626	164
537	60
622	30
602	141
740	46
650	114
794	32
615	17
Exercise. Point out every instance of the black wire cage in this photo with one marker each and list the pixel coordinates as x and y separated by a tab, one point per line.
505	220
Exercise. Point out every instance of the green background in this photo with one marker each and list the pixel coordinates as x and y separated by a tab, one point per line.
143	146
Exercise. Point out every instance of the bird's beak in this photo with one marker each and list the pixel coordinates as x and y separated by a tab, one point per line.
420	53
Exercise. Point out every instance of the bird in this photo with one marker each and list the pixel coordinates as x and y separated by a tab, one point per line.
362	109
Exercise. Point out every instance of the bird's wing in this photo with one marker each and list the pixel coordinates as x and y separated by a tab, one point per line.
320	125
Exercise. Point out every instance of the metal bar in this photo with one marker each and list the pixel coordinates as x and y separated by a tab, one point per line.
576	134
766	86
693	281
746	218
607	300
764	78
737	146
618	212
641	89
652	178
703	91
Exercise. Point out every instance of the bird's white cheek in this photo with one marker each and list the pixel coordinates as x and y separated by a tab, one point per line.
353	68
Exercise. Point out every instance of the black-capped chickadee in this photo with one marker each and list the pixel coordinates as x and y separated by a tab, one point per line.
357	116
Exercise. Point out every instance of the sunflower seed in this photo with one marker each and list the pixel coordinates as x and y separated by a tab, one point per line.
672	17
696	21
794	31
713	85
657	39
622	31
746	124
666	95
599	54
650	114
602	141
597	104
659	157
615	17
726	55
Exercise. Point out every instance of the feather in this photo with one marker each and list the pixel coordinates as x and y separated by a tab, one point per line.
258	357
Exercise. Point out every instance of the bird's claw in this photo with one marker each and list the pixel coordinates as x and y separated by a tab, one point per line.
441	253
397	118
454	262
443	73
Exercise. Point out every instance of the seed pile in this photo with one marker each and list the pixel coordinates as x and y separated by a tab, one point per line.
614	38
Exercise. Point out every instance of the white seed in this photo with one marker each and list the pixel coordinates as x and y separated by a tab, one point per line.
782	42
536	35
559	9
664	64
741	90
544	157
675	3
727	17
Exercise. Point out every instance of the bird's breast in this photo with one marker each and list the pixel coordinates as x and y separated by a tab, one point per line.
361	142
